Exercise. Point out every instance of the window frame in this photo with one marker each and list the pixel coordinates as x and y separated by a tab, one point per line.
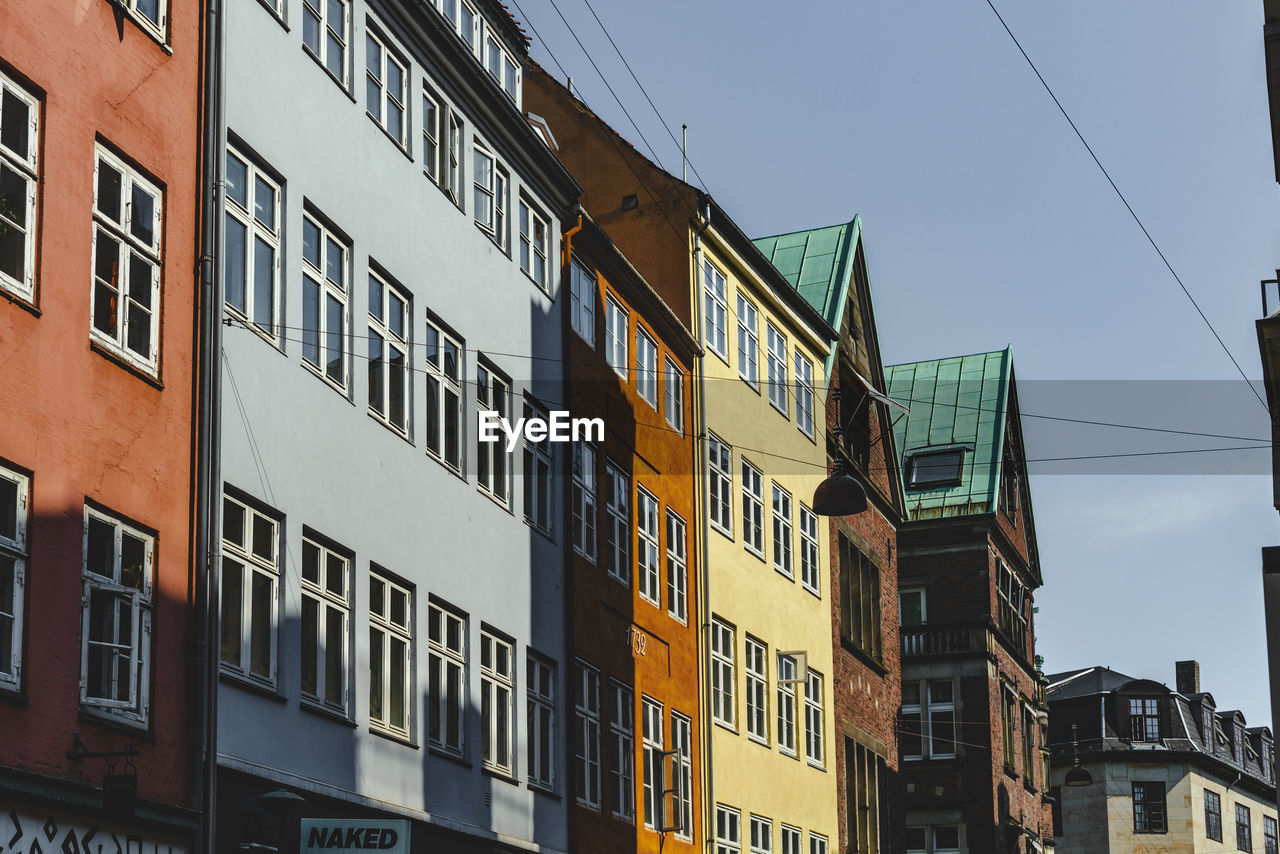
26	168
780	512
914	474
752	509
682	747
677	567
320	52
489	192
541	706
119	226
442	656
1213	816
255	230
433	133
861	597
508	67
814	732
652	714
493	466
388	293
14	550
1151	813
673	395
1244	828
778	370
157	28
720	484
760	840
787	706
728	839
586	710
791	839
326	599
136	707
615	336
804	394
724	706
387	100
539	489
317	274
810	552
495	754
533	249
439	341
1270	842
648	553
622	772
646	369
715	288
384	626
1147	716
585	507
252	564
583	290
748	341
756	668
618	522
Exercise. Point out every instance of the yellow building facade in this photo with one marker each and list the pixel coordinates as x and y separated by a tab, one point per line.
767	656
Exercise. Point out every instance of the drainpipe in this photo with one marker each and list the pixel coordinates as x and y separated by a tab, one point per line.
208	391
704	693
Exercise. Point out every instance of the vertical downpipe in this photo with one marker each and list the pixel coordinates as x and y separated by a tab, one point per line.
704	693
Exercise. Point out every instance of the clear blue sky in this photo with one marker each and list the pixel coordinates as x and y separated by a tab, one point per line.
986	224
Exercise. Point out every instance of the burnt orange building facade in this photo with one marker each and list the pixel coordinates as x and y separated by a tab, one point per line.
631	586
99	200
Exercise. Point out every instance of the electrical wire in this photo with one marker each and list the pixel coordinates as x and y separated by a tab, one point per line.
1127	206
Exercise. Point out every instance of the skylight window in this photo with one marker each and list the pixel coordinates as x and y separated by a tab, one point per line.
935	468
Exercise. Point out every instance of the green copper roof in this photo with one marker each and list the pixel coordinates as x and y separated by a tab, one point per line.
956	402
818	263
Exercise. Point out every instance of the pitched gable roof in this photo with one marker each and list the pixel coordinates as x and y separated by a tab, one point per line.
818	262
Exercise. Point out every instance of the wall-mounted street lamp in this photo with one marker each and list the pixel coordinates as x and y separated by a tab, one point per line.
1076	775
840	494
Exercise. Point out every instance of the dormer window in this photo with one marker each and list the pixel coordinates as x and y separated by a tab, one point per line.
1144	719
931	469
1206	727
1267	760
1237	744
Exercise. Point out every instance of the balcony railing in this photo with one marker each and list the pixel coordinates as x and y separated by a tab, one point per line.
945	640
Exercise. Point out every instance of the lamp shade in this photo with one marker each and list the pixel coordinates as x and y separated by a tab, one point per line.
839	495
1077	776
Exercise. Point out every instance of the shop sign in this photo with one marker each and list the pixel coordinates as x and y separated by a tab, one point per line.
334	835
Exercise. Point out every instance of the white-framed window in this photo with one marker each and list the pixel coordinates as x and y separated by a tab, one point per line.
115	651
386	88
723	677
810	576
15	492
932	839
432	128
791	839
20	180
761	835
928	719
389	365
677	567
715	310
615	336
465	20
444	396
251	266
787	705
647	554
913	606
534	237
804	395
447	642
755	657
326	617
748	341
728	830
682	745
502	67
813	737
673	394
150	15
492	394
777	368
250	587
720	478
538	477
489	202
586	741
584	499
646	368
496	692
651	713
618	523
818	844
127	230
582	301
781	500
390	654
622	751
324	302
451	167
752	509
540	676
326	32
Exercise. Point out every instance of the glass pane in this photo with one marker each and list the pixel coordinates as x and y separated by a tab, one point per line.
13	195
264	204
373	96
433	414
433	687
453	690
486	710
334	59
912	741
15	132
310	320
395	80
132	555
311	562
336	571
334	267
232	591
399	607
237	180
142	210
311	30
264	263
310	650
264	537
109	188
101	548
335	15
13	206
396	713
375	373
942	727
451	360
377	594
375	674
311	242
333	340
375	297
139	318
8	508
396	392
452	430
395	315
394	119
373	57
149	9
260	630
453	634
234	272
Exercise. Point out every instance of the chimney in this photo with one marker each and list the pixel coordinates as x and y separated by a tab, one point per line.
1187	674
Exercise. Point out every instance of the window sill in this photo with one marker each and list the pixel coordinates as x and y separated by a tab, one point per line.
456	758
308	705
1010	772
786	414
456	472
545	533
539	285
111	355
865	658
816	593
249	684
788	754
760	741
754	386
493	238
237	318
817	766
728	534
751	551
729	727
591	559
327	380
147	27
400	146
403	434
498	502
545	791
339	83
20	300
13	693
137	729
499	774
789	576
392	735
275	13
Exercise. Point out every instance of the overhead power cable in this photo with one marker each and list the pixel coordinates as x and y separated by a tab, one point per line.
1127	206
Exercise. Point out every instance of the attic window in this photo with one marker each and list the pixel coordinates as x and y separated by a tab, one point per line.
935	468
